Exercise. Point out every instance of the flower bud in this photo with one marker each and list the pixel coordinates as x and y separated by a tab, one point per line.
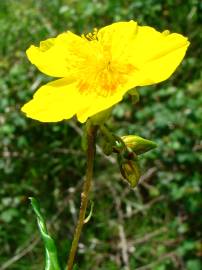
130	170
138	144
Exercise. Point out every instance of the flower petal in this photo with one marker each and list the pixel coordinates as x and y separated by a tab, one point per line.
56	101
116	37
61	56
156	55
153	55
100	103
59	100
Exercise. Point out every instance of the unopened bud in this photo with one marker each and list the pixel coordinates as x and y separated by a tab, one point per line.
130	170
138	144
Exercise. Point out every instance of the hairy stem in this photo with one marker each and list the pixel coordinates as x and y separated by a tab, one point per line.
91	134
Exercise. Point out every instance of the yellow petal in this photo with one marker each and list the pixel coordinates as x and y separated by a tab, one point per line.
100	103
59	100
56	101
156	55
153	55
61	56
116	37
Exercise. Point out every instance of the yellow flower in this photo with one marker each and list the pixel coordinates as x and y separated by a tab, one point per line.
96	70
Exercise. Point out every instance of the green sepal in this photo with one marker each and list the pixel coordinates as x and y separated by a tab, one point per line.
138	144
101	117
52	262
108	140
135	95
130	171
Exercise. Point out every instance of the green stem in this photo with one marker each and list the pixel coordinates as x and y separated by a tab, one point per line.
91	134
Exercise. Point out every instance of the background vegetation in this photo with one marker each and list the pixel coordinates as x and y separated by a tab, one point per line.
156	226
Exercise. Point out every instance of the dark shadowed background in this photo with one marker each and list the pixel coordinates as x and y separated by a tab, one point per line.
157	226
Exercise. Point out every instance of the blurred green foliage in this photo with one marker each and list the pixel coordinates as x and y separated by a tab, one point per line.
161	220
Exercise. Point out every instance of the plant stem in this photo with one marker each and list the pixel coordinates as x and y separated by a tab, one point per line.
91	134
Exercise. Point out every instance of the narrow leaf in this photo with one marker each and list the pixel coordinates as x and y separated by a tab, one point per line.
75	267
50	248
86	220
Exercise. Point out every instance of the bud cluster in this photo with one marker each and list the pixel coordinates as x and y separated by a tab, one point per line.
127	149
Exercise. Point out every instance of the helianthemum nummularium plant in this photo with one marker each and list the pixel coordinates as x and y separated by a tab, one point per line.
94	72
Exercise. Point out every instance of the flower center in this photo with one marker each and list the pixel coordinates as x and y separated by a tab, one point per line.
102	75
104	79
91	36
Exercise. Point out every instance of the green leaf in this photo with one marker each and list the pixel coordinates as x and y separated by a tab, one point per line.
90	214
52	262
75	267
